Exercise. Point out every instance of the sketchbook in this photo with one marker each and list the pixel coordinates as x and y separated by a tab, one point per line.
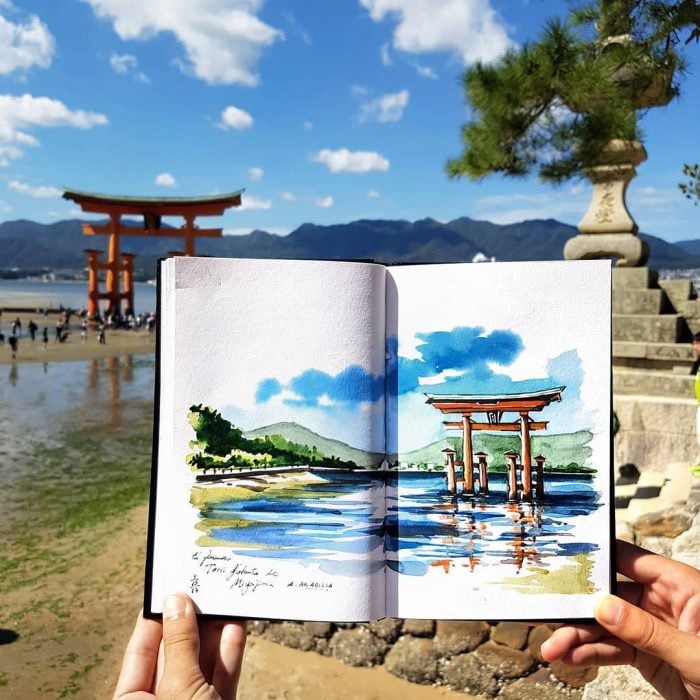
346	441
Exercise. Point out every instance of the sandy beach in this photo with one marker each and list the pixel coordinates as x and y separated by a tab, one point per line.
75	530
118	342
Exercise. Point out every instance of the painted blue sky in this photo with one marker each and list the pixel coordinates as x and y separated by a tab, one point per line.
463	360
325	112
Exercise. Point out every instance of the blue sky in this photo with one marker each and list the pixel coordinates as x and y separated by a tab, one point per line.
325	112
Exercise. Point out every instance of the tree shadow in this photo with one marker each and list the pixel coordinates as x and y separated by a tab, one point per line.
8	636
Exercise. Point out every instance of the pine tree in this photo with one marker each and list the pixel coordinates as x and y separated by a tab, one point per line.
552	106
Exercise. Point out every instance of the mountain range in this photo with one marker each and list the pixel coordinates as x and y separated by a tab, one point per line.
27	245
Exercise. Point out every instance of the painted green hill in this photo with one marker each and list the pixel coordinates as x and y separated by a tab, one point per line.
332	448
563	452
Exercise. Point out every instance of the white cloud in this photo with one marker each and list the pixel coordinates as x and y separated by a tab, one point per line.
470	29
288	197
385	55
323	202
513	208
387	108
245	230
234	118
40	192
255	174
425	71
5	208
24	45
165	180
249	203
222	39
373	194
127	64
358	90
19	114
345	161
307	126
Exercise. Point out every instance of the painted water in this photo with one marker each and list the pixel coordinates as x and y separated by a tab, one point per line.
338	516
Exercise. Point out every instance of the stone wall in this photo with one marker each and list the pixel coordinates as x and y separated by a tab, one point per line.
472	657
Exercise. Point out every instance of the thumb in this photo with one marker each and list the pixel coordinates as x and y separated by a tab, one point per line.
182	676
643	631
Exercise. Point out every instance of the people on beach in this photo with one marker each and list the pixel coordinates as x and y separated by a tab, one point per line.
17	327
653	625
199	660
101	334
14	342
33	328
84	329
45	337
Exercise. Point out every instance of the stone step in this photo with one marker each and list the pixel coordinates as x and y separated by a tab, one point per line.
678	292
640	301
665	328
647	382
655	430
672	352
634	278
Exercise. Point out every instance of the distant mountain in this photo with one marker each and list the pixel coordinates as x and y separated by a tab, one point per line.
329	447
29	245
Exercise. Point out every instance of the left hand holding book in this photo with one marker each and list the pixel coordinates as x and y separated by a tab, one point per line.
198	660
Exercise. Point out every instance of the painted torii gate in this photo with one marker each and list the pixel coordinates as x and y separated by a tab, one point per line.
494	407
152	209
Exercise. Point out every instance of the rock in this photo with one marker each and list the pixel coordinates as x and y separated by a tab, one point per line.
505	662
539	685
624	531
323	646
538	635
389	629
319	629
512	634
290	634
667	523
414	659
619	682
467	674
257	627
686	547
357	647
419	628
454	637
575	677
658	545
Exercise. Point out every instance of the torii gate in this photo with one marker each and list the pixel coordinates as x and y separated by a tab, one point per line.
152	209
494	407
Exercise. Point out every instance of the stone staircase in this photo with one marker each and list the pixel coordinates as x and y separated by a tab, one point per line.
653	391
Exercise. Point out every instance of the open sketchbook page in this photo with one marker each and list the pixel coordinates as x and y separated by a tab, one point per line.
271	391
508	364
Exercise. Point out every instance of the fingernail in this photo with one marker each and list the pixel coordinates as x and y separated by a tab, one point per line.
174	607
609	611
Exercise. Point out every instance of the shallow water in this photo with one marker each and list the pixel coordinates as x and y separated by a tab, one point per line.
69	427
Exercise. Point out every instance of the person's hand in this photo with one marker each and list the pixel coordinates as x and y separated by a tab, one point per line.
654	626
178	659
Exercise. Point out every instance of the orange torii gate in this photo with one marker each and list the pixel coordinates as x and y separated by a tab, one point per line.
152	209
494	407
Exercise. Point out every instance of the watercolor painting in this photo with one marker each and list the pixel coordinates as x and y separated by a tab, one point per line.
284	492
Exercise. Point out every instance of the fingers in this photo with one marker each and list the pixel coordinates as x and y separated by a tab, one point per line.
643	566
566	638
139	665
182	676
228	667
645	632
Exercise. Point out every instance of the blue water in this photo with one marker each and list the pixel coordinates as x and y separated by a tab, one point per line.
73	295
424	526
